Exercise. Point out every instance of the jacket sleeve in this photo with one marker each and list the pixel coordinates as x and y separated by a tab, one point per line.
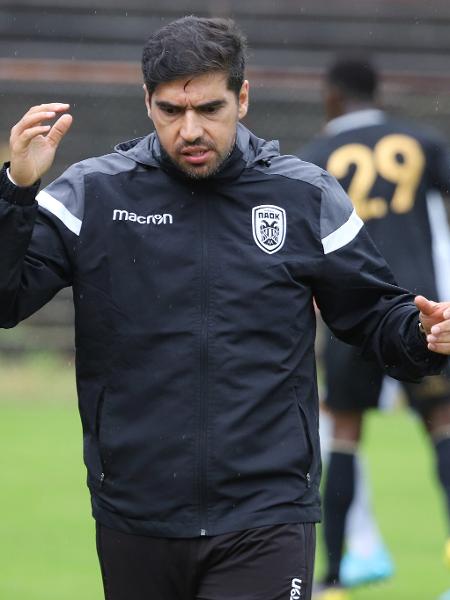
36	247
358	296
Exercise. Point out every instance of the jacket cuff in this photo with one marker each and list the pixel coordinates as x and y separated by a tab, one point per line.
22	196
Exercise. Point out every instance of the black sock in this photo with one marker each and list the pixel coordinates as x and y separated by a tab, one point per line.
338	496
443	469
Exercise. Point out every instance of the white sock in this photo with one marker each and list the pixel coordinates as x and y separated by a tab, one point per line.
363	535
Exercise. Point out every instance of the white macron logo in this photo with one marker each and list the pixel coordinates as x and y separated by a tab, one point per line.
296	589
124	215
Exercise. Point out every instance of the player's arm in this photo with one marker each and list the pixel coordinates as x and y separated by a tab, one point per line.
34	262
360	301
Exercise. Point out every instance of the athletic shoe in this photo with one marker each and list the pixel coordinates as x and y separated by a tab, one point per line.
359	570
323	591
447	553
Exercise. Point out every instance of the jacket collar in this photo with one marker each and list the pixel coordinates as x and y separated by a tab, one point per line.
248	150
355	120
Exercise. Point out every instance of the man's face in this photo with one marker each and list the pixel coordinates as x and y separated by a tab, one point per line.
195	119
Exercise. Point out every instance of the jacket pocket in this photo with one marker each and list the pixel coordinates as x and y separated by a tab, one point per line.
308	435
98	433
93	455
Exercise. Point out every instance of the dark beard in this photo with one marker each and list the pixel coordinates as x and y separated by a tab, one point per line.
193	174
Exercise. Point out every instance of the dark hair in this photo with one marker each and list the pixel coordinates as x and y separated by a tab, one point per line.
356	78
192	46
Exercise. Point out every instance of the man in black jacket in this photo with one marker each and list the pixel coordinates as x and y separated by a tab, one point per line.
194	255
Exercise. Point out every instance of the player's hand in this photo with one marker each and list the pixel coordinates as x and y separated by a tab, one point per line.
435	318
33	143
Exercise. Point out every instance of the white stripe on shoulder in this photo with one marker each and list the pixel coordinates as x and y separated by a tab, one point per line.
343	235
58	209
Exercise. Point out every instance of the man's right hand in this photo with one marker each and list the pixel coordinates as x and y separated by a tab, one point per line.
33	145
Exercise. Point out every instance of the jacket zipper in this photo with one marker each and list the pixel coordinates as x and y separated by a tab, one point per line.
203	417
305	427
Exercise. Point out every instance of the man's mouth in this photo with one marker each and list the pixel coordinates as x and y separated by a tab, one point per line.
196	155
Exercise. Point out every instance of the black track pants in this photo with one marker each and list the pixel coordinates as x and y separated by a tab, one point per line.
267	563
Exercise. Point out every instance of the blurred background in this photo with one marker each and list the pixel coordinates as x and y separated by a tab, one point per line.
88	54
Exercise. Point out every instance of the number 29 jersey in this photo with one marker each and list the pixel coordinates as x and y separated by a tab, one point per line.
394	174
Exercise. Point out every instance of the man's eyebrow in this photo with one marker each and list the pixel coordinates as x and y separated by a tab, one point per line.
212	104
207	105
165	104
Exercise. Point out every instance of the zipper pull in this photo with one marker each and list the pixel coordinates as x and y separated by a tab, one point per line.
102	478
202	532
308	480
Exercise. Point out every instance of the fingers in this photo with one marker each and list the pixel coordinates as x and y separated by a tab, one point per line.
28	128
33	142
427	307
439	347
33	118
29	134
438	340
51	106
59	129
435	319
440	332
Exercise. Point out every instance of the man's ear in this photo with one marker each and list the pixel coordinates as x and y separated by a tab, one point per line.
243	99
147	97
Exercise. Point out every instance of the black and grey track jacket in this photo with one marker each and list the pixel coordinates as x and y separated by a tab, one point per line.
195	326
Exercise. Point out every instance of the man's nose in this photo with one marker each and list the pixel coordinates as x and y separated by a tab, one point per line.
191	128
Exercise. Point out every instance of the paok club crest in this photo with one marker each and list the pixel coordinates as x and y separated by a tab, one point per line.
269	227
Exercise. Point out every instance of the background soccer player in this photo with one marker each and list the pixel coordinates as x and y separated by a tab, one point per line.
394	172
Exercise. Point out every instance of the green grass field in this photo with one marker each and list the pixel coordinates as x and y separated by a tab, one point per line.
47	549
